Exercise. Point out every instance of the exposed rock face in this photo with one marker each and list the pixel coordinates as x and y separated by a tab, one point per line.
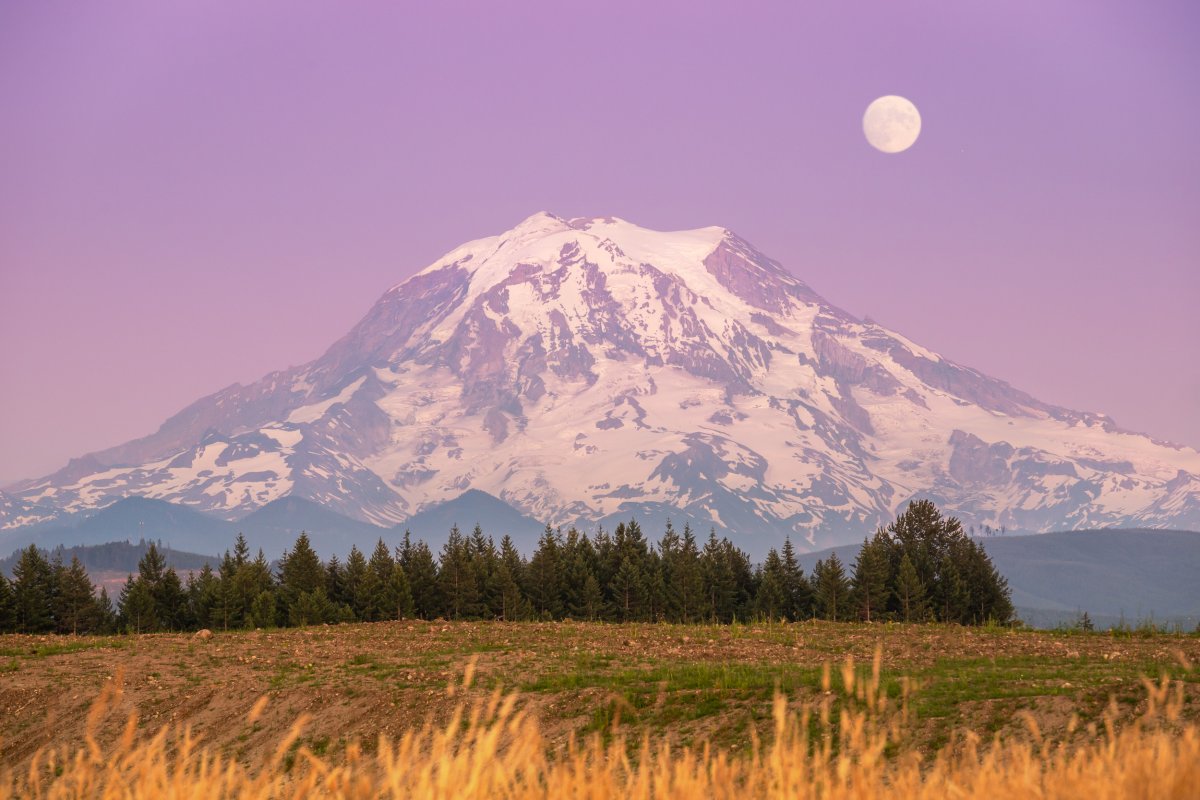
584	368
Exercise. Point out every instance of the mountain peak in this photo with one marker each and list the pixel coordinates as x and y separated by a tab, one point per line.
547	249
537	223
583	369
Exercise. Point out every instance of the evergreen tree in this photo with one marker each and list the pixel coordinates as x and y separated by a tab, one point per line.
204	597
460	590
422	573
404	552
33	592
951	600
910	591
8	610
226	609
654	581
720	587
257	576
58	574
264	610
302	584
923	535
772	599
396	600
170	601
629	587
241	550
342	614
872	577
379	604
478	543
76	612
578	559
831	588
668	553
485	563
797	589
744	585
955	580
625	592
591	599
543	577
685	582
136	608
335	581
154	599
510	573
355	579
511	558
988	596
152	566
607	560
311	607
106	615
300	568
370	597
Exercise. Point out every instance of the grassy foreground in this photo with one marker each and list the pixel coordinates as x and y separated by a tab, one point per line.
835	748
651	710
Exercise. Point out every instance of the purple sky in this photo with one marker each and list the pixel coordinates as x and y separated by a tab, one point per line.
195	193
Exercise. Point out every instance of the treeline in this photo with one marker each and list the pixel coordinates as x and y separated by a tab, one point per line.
921	567
113	556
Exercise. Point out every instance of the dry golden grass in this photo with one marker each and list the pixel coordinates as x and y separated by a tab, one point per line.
838	747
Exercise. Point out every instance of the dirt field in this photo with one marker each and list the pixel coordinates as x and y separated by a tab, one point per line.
688	683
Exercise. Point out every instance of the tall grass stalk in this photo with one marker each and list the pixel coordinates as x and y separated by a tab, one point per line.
844	745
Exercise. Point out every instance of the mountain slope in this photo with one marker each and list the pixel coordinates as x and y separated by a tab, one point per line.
273	528
589	369
1137	574
130	519
474	507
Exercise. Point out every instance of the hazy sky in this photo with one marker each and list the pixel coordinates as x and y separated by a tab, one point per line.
195	193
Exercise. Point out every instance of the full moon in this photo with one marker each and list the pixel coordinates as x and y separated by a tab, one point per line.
892	123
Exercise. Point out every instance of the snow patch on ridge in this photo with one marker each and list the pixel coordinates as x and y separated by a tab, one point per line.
314	411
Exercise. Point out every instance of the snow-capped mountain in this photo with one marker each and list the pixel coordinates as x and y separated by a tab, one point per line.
578	369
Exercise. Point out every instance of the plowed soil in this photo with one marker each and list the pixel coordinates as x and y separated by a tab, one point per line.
687	683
